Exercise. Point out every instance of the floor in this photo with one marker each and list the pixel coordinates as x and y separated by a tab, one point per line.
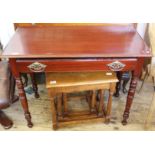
41	113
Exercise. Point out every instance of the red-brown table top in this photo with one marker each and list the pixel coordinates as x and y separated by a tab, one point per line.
76	42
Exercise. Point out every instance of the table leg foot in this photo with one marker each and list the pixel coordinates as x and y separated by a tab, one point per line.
124	122
125	117
28	118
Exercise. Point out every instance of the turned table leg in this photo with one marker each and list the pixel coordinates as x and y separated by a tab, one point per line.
130	97
22	95
23	100
135	76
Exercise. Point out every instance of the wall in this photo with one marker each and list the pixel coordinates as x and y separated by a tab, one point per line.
6	32
141	28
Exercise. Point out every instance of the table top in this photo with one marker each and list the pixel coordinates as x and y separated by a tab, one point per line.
76	42
55	80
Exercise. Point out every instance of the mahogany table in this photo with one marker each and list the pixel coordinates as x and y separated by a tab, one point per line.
76	48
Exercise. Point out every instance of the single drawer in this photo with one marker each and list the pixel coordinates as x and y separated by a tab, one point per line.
75	65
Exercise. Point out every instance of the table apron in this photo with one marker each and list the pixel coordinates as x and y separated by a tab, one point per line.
71	65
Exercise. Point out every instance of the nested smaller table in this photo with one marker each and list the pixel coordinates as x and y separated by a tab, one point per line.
64	83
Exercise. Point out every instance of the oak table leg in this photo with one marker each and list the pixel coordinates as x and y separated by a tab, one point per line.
109	105
65	104
54	117
101	108
59	105
93	101
34	85
21	92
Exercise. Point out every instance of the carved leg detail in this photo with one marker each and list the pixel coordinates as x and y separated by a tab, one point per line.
130	97
23	100
34	85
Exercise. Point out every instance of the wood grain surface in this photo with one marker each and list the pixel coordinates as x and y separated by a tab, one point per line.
76	41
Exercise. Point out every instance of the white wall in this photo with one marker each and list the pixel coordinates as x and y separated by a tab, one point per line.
141	28
6	32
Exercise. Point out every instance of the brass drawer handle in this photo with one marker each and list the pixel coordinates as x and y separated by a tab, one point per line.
37	67
116	66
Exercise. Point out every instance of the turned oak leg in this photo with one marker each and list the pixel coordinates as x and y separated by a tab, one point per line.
65	104
54	118
22	95
130	97
34	85
88	99
59	105
93	101
101	108
109	105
